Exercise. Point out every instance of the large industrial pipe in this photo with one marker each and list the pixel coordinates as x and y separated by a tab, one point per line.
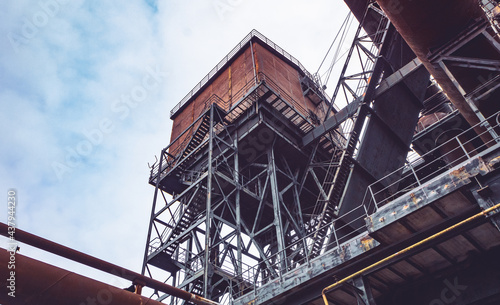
33	282
136	278
428	24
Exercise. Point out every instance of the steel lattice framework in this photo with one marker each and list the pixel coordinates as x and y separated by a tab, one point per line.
248	197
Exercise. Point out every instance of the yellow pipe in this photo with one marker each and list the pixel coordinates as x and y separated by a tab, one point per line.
326	289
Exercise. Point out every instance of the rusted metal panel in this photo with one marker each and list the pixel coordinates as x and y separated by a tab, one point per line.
199	104
228	85
241	74
285	76
234	81
237	79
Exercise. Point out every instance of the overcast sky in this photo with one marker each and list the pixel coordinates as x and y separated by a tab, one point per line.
86	88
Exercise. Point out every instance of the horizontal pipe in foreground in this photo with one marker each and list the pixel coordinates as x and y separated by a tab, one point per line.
33	282
136	278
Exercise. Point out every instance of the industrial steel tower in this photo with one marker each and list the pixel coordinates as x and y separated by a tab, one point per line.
268	190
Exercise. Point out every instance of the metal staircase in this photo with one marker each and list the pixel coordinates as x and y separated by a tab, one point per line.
335	187
199	136
195	207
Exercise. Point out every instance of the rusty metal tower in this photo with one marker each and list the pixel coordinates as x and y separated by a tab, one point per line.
268	189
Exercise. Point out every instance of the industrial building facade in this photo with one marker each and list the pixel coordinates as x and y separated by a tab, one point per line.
271	191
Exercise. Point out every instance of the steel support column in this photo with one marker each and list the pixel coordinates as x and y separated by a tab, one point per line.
365	297
278	224
209	213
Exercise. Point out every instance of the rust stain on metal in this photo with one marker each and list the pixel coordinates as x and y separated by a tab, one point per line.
460	173
367	243
342	254
495	162
415	199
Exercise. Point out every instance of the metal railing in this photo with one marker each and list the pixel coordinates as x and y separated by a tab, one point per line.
176	148
157	242
297	253
229	56
255	276
259	273
414	174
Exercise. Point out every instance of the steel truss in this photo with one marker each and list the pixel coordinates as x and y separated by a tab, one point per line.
359	89
244	197
476	78
240	207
